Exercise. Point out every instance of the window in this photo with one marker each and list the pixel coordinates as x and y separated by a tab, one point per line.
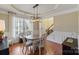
2	25
21	25
48	22
45	24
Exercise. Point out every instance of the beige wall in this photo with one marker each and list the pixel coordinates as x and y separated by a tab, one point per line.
66	22
78	22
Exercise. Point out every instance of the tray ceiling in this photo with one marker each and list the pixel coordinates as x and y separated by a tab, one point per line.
43	9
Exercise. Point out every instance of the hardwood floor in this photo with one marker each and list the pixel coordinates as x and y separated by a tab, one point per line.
16	49
51	48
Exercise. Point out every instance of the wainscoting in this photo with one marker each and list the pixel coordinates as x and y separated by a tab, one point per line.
59	37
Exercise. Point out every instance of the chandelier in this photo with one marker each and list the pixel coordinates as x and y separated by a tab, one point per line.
35	17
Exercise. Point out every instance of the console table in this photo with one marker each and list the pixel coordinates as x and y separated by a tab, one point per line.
70	46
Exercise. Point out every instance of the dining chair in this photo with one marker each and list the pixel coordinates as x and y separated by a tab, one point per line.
26	44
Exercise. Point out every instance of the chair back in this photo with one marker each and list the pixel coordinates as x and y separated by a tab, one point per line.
21	35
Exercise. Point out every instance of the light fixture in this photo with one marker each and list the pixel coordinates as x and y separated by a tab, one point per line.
35	17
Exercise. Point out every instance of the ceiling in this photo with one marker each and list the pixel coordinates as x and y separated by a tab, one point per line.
44	10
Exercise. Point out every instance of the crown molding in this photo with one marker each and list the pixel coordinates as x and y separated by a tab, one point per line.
62	12
49	13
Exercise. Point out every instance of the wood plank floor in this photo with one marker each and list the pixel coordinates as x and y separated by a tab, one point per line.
51	48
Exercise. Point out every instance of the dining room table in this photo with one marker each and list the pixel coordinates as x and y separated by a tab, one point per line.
37	42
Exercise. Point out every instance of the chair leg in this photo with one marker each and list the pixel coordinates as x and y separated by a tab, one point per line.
23	49
28	48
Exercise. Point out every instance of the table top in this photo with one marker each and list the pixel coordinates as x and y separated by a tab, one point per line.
71	42
30	37
4	44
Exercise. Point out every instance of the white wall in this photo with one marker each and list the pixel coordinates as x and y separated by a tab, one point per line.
59	37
